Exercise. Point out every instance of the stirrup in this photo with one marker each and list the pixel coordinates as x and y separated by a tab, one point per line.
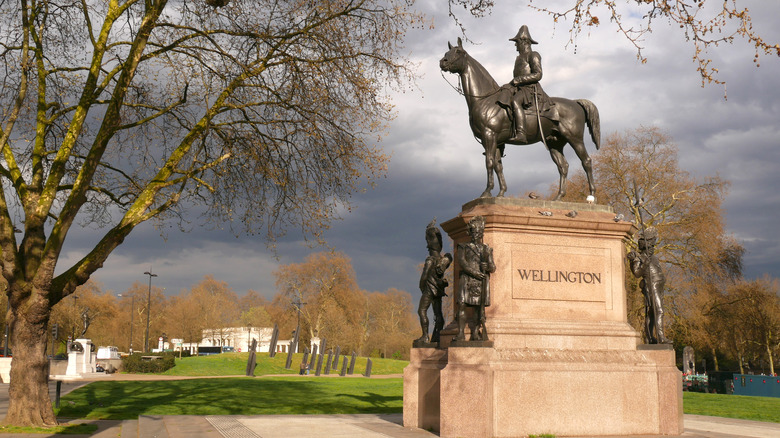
519	138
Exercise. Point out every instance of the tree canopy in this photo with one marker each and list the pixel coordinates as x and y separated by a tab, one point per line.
705	24
264	114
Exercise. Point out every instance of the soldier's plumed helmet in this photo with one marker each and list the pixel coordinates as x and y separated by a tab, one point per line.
523	35
477	223
649	235
433	236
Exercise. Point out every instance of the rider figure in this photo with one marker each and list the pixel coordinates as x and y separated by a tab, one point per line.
525	84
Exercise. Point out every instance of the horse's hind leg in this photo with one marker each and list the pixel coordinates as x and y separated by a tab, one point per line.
556	152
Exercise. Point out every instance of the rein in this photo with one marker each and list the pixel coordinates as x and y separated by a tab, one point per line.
460	90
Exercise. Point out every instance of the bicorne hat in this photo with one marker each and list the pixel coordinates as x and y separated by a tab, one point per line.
523	35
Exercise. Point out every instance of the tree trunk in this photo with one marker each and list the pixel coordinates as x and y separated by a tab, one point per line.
715	358
29	403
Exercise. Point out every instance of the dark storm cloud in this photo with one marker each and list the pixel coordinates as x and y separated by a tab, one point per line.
437	164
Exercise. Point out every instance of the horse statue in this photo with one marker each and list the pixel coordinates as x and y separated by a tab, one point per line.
492	126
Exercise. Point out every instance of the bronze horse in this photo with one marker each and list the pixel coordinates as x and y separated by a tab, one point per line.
493	128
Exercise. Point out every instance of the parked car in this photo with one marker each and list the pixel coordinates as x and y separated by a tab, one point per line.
108	353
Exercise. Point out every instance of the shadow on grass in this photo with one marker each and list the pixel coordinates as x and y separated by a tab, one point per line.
377	400
119	400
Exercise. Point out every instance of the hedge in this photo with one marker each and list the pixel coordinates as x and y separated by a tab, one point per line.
136	364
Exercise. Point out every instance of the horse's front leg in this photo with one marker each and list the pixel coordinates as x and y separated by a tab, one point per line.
489	143
556	152
498	164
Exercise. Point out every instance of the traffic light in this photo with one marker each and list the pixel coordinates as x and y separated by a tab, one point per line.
54	330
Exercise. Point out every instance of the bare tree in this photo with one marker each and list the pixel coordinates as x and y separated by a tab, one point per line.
705	24
756	312
218	308
693	244
394	323
115	112
326	283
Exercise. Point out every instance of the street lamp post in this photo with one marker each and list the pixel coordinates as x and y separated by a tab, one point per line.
148	309
132	311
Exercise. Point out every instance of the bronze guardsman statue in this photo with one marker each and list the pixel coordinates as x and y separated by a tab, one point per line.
525	90
645	265
432	285
475	260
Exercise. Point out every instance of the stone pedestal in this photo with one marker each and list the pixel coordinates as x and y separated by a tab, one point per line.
81	362
422	388
564	361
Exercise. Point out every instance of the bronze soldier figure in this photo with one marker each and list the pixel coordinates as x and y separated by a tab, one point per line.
432	284
475	260
645	265
526	91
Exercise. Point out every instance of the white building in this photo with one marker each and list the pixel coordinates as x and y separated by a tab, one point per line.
240	338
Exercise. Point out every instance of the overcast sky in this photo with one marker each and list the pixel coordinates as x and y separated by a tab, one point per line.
437	164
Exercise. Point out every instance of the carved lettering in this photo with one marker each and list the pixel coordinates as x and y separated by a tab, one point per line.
548	276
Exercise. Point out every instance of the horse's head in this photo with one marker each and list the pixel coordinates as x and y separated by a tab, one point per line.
454	61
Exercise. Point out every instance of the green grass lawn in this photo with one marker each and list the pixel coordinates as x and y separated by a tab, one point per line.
231	364
732	406
118	400
67	429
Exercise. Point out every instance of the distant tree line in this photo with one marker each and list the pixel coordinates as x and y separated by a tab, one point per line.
380	324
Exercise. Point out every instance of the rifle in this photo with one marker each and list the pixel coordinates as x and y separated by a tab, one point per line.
484	290
638	203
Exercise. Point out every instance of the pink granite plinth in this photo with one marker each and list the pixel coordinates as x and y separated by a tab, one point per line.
565	360
422	388
511	393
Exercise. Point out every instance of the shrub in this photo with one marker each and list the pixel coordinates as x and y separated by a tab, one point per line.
136	364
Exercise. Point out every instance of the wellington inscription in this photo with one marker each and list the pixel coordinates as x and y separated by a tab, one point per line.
549	276
568	273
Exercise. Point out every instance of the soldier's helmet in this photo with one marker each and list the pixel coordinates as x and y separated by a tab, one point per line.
477	224
649	235
433	236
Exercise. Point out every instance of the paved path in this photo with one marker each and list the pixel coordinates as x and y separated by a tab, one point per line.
326	426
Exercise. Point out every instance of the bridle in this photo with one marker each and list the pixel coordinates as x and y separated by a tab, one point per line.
459	90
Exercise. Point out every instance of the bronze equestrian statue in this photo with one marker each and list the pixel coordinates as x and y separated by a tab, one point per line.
554	121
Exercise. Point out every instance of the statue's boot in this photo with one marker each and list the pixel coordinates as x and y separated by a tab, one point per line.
435	335
439	324
423	338
661	339
461	328
519	116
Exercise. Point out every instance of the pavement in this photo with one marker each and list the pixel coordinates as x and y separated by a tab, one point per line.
323	426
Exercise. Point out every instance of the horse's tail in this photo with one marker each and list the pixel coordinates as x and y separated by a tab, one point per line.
594	123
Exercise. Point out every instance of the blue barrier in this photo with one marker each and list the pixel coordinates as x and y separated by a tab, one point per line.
756	385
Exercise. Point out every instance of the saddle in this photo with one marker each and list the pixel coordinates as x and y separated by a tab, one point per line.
507	93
